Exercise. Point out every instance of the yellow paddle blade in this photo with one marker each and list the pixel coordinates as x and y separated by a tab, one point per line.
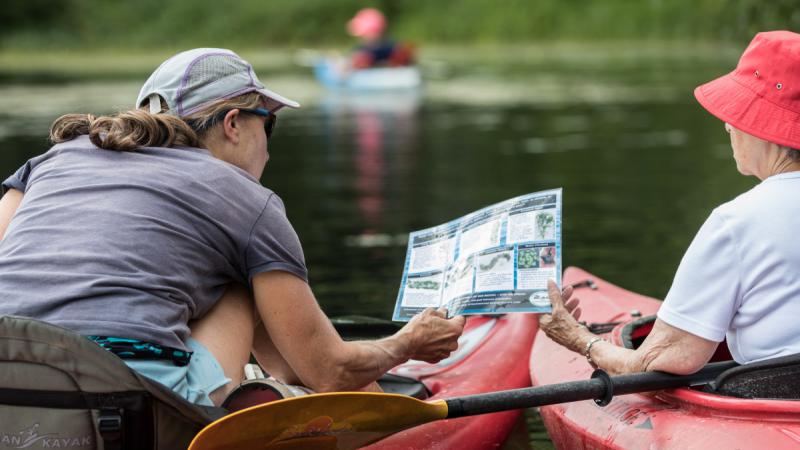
334	421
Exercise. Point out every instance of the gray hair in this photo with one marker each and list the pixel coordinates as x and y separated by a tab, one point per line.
793	153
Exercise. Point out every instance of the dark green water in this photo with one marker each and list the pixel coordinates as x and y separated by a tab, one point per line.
641	165
638	181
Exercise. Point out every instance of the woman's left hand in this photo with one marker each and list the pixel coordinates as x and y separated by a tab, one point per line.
561	325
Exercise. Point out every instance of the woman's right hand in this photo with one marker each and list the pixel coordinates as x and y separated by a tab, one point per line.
432	335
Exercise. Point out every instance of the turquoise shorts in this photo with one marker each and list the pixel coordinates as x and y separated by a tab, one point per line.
202	376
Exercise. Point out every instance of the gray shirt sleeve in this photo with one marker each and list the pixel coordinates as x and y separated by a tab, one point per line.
274	244
19	179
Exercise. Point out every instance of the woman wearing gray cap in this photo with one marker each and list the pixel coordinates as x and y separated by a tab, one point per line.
140	231
739	281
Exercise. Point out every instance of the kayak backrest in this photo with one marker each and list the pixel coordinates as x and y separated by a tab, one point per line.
634	332
777	378
396	384
59	389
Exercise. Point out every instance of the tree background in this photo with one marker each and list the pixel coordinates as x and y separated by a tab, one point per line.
43	24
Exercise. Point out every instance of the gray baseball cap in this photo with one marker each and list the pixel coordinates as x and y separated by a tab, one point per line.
192	80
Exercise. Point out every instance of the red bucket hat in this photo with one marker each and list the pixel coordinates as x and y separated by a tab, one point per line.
368	23
762	95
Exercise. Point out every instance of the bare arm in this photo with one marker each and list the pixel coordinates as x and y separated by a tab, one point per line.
8	206
666	348
317	354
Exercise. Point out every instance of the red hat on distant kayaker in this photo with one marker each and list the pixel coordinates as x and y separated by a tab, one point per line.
367	23
762	95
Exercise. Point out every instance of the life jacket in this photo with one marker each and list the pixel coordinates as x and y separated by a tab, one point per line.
383	54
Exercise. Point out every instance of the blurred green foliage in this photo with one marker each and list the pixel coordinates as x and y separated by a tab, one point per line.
280	23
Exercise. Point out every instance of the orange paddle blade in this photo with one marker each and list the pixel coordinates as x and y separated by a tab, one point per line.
334	421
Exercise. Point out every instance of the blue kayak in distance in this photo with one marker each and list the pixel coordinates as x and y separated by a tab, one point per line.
333	76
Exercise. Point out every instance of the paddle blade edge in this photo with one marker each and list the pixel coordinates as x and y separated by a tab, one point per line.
331	421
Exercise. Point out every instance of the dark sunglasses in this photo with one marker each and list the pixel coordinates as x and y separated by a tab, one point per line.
269	124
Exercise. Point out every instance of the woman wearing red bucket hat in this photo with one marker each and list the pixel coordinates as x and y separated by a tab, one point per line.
739	281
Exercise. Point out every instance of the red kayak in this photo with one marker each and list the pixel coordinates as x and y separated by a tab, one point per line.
673	419
492	356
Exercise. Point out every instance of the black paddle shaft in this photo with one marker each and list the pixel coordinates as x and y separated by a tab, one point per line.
600	388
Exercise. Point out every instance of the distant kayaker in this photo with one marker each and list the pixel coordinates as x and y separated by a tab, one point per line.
375	49
150	233
739	281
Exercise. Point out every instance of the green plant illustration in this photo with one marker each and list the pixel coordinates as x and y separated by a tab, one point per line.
495	260
459	271
544	221
527	258
428	284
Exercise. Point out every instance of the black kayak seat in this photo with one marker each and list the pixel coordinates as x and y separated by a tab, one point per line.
60	389
355	327
396	384
773	379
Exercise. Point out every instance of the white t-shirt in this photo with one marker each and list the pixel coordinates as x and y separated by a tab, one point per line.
740	278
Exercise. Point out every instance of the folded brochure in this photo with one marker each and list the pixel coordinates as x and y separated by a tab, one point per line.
493	261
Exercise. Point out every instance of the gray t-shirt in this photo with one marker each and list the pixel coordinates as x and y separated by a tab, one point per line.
136	244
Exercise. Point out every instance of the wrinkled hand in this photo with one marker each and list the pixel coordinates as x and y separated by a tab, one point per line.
433	336
562	324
